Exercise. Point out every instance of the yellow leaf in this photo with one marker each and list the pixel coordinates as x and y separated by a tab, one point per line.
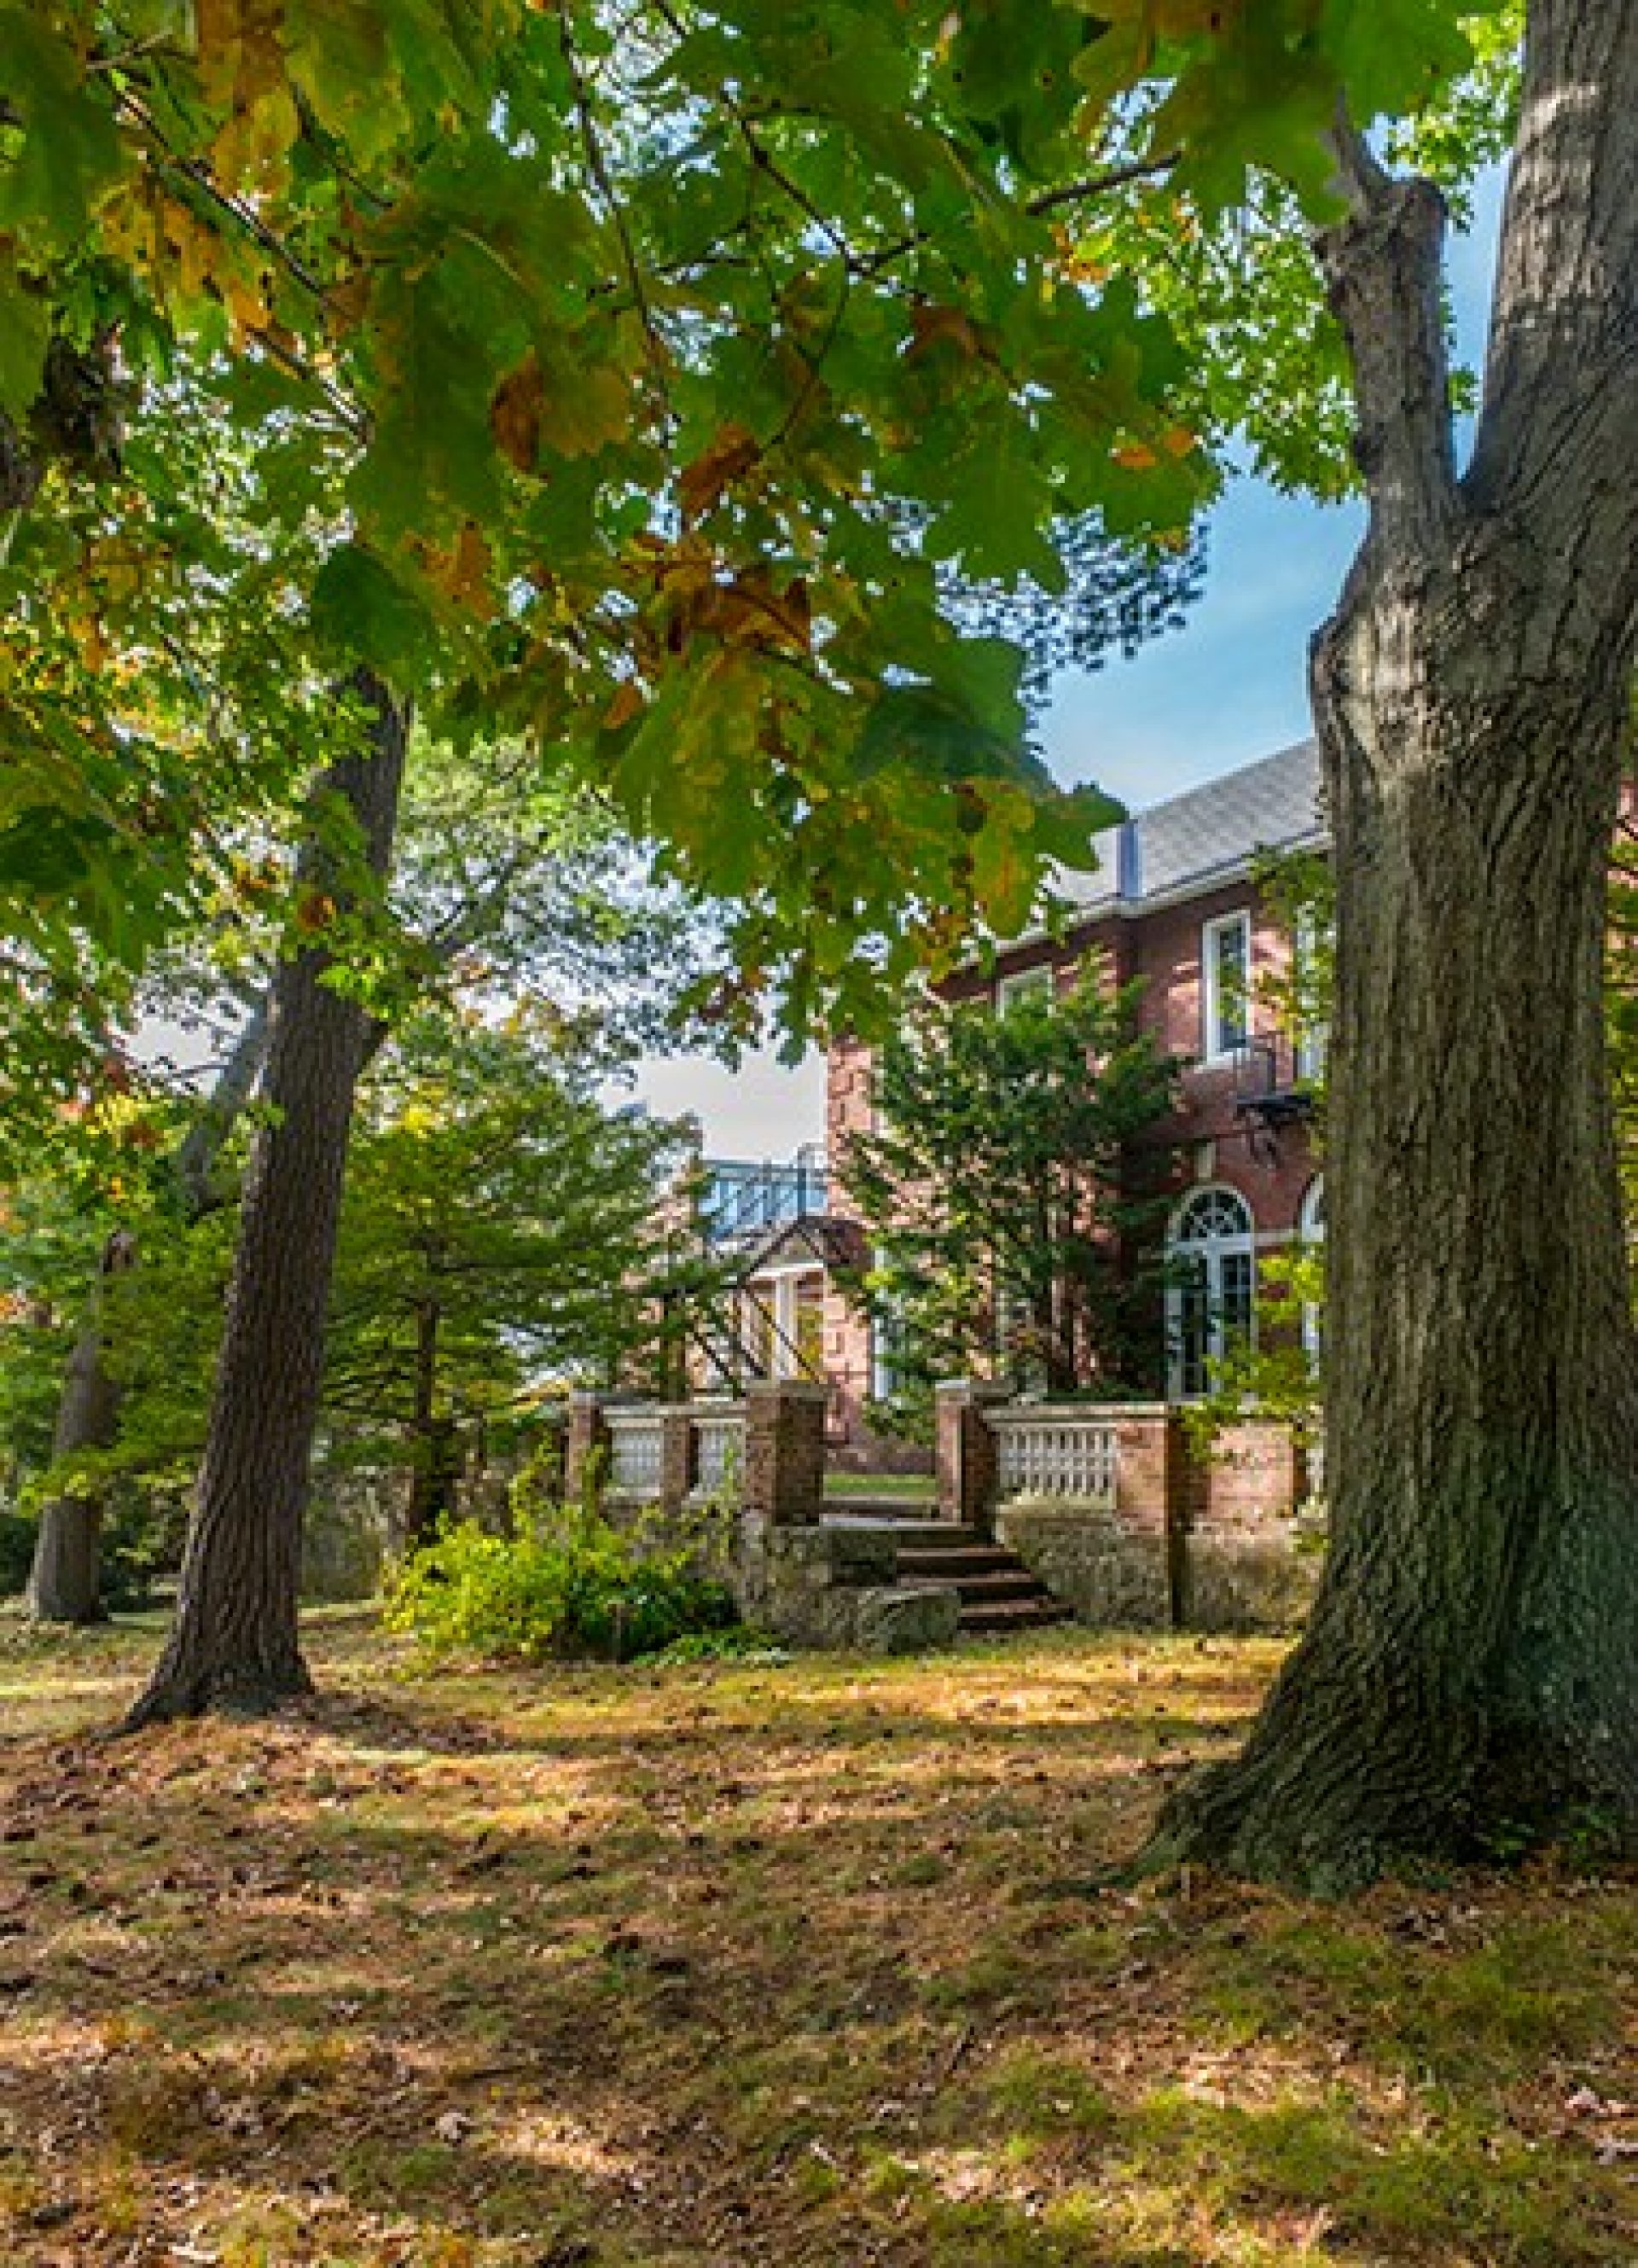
462	571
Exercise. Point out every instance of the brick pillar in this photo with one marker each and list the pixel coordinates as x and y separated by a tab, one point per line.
784	1450
588	1438
967	1451
676	1458
1153	1478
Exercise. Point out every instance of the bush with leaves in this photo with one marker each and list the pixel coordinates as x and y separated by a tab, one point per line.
566	1587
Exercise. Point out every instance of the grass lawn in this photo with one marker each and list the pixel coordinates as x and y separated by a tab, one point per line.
758	1964
881	1484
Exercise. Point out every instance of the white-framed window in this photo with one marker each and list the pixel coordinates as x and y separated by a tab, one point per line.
1311	1229
1313	1037
1028	983
886	1356
1225	961
887	1346
1210	1301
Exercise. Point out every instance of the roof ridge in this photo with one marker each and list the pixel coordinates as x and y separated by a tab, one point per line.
1220	780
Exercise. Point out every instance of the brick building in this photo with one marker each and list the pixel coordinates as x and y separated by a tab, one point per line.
1173	902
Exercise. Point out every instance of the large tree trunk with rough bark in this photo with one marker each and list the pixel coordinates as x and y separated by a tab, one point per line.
1471	1667
65	1583
234	1643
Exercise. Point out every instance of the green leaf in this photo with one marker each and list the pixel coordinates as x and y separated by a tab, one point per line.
70	153
992	526
24	334
1066	825
925	730
1391	55
363	613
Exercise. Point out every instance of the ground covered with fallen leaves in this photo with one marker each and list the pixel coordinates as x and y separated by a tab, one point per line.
770	1964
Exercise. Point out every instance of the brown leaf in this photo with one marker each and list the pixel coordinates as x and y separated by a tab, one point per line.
626	704
515	413
941	327
731	456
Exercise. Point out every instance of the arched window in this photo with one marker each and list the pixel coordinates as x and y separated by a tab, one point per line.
1311	1228
1208	1304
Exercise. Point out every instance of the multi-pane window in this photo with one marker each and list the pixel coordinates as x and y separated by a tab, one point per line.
1213	1282
1226	967
1313	1035
1029	983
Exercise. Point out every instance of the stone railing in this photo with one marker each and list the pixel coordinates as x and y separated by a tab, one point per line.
718	1457
636	1452
1054	1450
1126	1514
767	1451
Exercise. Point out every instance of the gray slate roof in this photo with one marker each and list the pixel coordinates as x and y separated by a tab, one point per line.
1188	842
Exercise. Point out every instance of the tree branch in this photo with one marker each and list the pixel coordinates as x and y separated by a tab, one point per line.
1556	440
203	1143
1049	200
1383	266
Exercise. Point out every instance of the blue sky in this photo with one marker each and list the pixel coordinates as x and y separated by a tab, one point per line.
1227	688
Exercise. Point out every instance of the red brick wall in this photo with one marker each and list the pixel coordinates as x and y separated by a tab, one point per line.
1270	1168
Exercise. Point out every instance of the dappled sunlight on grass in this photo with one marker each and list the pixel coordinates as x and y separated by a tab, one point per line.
813	1964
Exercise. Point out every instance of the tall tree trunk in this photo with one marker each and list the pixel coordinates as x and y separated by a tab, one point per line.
234	1643
65	1583
436	1460
1470	1662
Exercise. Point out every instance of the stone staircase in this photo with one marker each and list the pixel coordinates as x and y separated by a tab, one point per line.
997	1591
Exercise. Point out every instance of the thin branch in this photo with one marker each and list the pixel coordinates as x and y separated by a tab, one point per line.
596	164
1049	200
194	171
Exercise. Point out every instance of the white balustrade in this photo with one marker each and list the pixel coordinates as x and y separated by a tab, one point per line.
719	1451
633	1453
1059	1453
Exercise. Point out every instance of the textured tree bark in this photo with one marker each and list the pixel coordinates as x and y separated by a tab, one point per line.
64	1584
1469	1667
234	1643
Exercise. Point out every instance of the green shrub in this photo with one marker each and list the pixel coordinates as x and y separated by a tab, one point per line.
741	1643
567	1585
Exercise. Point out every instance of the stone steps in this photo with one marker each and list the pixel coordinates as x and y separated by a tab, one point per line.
1012	1615
953	1563
996	1590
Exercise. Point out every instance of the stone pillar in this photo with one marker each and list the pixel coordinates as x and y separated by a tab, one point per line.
588	1439
784	1451
967	1451
677	1470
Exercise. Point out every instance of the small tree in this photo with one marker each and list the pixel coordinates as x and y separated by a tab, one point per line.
1012	1188
500	1223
